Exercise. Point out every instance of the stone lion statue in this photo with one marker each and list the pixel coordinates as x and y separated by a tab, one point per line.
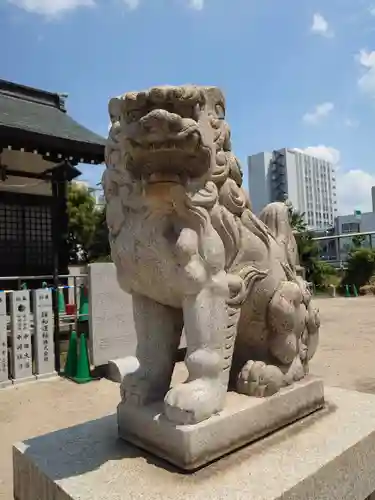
189	249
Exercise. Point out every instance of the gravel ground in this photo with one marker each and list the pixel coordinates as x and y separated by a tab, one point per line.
345	358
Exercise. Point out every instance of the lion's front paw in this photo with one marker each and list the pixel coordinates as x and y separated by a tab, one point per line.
137	386
135	389
259	380
194	401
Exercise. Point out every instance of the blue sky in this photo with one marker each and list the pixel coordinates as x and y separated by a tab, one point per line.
296	73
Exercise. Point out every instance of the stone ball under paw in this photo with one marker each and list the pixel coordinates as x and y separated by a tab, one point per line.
259	380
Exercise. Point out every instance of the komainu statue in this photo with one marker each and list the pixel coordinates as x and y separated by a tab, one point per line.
189	249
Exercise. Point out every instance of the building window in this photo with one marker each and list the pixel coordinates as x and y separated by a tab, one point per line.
350	227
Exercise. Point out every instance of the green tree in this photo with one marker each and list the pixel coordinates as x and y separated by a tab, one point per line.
297	220
99	250
324	274
82	222
308	249
320	273
358	240
361	267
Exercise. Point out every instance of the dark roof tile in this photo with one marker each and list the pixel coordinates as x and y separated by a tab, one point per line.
39	112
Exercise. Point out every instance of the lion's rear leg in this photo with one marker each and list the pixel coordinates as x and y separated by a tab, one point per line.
158	330
286	320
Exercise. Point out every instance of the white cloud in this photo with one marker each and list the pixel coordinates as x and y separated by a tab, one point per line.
132	4
196	4
372	10
354	191
367	80
323	152
348	122
366	59
353	186
51	8
320	26
321	111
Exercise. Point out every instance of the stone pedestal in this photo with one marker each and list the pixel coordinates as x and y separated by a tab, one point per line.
243	421
327	455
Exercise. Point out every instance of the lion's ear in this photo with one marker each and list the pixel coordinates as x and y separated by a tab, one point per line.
115	108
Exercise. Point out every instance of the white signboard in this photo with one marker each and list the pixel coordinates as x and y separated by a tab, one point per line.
43	331
21	335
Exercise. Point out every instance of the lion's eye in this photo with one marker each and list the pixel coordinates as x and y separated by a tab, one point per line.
132	115
220	113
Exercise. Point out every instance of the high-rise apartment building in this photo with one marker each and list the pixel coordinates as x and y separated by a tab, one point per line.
308	182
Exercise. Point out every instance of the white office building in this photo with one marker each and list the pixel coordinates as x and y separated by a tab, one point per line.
308	182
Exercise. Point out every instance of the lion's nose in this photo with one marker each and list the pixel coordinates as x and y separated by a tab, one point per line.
161	121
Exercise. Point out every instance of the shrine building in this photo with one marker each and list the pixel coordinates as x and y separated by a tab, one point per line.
40	147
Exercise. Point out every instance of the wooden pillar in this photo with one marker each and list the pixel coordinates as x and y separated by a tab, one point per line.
60	246
60	218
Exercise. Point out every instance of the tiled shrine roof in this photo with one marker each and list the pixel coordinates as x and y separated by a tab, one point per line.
36	120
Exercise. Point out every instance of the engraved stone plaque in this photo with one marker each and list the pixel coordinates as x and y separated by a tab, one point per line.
43	331
4	375
21	335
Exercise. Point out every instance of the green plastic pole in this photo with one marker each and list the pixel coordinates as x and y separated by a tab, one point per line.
83	314
61	301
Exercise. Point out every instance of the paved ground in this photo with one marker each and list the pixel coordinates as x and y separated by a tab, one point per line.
345	358
346	355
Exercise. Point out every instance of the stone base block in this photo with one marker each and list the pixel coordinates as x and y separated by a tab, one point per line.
25	380
5	383
243	421
329	454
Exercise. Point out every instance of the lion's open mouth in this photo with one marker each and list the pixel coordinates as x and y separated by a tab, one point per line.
189	141
178	159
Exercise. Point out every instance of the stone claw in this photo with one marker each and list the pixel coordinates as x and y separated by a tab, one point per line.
194	401
259	380
136	387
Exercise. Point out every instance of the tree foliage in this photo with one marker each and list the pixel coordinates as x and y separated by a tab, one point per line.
361	267
87	228
324	274
296	219
99	249
358	240
320	273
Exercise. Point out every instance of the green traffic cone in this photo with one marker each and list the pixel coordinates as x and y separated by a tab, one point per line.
61	301
347	291
83	314
355	291
83	369
70	369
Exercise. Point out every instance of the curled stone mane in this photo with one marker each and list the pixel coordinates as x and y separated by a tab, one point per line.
226	200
